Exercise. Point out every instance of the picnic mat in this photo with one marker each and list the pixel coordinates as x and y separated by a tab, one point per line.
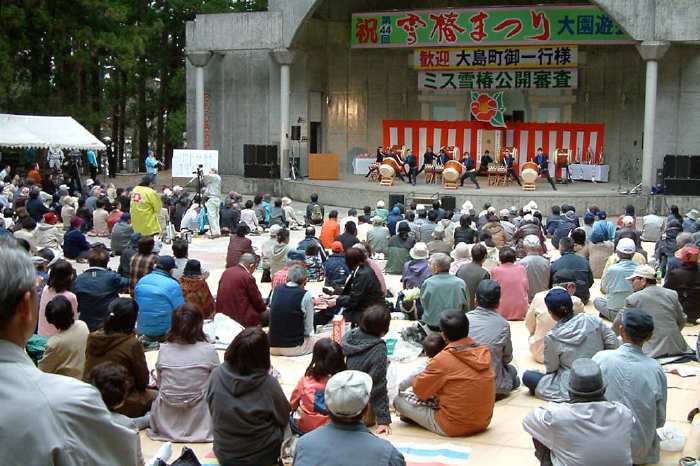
416	454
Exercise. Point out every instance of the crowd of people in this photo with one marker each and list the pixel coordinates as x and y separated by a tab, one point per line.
464	276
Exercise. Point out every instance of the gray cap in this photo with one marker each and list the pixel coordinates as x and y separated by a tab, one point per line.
347	393
586	379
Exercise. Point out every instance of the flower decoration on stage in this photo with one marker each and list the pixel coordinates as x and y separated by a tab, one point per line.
488	108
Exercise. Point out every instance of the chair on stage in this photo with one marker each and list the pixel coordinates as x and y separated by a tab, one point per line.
451	173
529	174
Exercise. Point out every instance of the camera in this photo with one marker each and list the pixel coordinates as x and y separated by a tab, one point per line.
199	171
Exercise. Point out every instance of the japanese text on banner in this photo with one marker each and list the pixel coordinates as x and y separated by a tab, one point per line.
484	58
456	81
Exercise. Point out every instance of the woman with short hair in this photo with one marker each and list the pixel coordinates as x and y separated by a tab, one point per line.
61	278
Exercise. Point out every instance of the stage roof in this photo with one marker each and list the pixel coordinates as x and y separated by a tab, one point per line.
43	132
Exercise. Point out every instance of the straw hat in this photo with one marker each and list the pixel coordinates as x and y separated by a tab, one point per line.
461	251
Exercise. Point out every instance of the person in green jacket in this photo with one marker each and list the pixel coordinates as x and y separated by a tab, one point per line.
441	292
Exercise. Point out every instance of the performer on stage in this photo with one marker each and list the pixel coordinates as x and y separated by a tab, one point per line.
375	166
469	171
443	158
486	159
542	160
399	162
508	161
412	164
428	158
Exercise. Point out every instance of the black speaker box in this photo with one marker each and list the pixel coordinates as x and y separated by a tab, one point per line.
682	167
271	155
669	166
296	133
448	202
396	199
682	187
695	166
248	154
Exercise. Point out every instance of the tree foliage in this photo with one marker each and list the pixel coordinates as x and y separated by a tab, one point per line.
117	66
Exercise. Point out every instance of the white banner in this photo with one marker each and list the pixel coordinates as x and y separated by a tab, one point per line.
502	80
496	58
186	161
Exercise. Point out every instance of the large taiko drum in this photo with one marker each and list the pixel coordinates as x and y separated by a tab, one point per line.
529	172
389	168
452	171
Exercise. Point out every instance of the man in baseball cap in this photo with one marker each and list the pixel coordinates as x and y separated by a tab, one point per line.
345	441
614	284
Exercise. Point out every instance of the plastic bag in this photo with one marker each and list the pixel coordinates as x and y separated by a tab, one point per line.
222	330
672	439
405	351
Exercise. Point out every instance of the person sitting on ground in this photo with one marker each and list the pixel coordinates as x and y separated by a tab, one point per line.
536	265
683	239
667	246
488	327
513	277
238	295
48	235
349	237
441	292
381	211
378	236
473	273
363	227
573	336
308	396
350	217
60	283
180	253
460	377
637	381
425	230
157	295
539	322
65	350
665	309
75	244
627	230
690	223
310	239
99	218
145	208
345	441
614	284
315	212
565	226
115	214
280	249
96	288
494	228
293	223
577	265
438	243
578	238
598	253
117	343
557	429
366	351
249	410
330	230
464	232
394	217
362	289
376	268
685	280
260	209
121	234
230	216
313	263
249	217
460	256
291	324
652	226
277	216
238	245
183	369
195	289
26	233
143	262
266	251
335	268
294	257
399	248
604	226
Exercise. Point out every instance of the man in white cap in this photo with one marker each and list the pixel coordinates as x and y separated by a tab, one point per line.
381	211
345	441
614	284
509	228
537	266
664	307
690	223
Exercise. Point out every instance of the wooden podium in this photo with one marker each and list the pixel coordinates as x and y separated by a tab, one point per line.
324	166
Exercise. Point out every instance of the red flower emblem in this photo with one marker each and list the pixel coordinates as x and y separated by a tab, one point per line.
484	108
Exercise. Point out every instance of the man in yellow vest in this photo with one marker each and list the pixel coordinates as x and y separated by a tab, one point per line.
145	208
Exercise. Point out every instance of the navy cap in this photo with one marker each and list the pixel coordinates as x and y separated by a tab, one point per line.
295	255
638	323
166	263
488	291
558	298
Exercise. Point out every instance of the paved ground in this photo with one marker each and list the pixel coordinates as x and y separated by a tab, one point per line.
505	442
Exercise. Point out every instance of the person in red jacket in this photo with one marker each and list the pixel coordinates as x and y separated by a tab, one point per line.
330	230
238	295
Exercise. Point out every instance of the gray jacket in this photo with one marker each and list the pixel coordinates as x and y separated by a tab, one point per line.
580	336
488	327
669	319
378	239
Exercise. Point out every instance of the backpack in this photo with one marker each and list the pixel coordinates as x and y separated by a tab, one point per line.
316	213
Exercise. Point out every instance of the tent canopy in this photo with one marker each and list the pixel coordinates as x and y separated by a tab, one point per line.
43	132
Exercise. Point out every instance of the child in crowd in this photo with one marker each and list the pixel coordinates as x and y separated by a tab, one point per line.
313	263
196	290
432	345
308	395
110	379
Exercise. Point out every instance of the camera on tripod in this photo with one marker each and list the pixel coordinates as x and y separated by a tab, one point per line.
199	171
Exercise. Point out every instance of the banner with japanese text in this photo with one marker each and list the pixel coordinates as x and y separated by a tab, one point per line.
484	58
520	25
498	80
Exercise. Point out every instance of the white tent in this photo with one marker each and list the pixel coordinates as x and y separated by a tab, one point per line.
43	132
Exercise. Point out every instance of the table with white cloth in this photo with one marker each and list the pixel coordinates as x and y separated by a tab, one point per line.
587	172
360	165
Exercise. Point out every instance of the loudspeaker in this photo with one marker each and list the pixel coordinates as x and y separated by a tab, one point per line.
682	167
271	155
695	166
669	166
296	133
396	199
248	154
448	202
682	187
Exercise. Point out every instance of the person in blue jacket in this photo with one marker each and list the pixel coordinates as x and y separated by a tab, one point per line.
157	294
336	270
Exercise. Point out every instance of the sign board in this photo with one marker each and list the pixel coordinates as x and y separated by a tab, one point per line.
186	161
489	58
498	80
537	24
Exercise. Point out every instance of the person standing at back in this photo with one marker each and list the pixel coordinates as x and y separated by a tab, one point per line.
145	208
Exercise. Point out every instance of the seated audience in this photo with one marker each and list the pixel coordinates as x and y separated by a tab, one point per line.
143	262
614	284
460	256
117	343
473	273
578	265
685	280
513	277
664	308
398	249
157	295
330	230
183	369
464	232
573	336
238	295
349	237
335	268
280	249
249	410
308	396
65	350
366	351
598	253
291	330
195	289
61	277
345	441
96	288
637	381
121	234
294	257
48	235
314	263
488	327
277	215
417	270
376	268
75	244
290	215
536	265
128	253
441	292
460	377
378	236
557	430
438	243
309	240
361	290
381	211
238	245
314	211
99	218
249	217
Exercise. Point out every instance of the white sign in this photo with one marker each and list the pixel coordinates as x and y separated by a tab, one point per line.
186	161
498	80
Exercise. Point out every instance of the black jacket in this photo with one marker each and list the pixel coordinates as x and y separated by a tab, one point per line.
361	291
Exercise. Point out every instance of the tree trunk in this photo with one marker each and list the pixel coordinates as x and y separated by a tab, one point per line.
122	116
142	117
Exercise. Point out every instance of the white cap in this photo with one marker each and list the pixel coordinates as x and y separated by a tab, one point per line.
420	207
627	221
504	213
380	204
626	246
532	242
527	218
274	229
491	210
461	251
177	188
347	393
467	206
89	182
643	271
